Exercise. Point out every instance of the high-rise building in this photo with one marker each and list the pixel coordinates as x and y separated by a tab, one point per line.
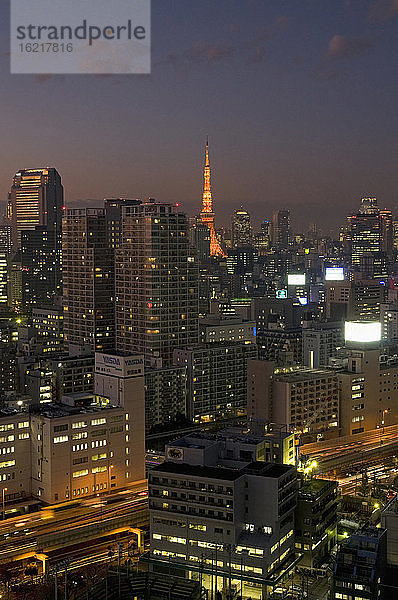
370	236
36	198
281	229
156	283
207	214
262	240
88	281
41	268
242	235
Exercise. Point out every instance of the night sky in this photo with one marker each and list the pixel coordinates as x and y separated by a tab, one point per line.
299	99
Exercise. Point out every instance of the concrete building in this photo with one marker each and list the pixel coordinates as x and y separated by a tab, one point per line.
306	400
165	395
88	280
72	374
360	566
389	321
216	379
320	343
368	387
87	444
354	300
284	346
157	302
48	323
389	522
205	511
316	521
226	329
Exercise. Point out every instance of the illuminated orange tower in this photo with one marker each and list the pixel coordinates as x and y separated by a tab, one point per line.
207	214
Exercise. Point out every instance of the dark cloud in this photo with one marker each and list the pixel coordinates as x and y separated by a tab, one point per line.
383	10
235	28
341	47
207	52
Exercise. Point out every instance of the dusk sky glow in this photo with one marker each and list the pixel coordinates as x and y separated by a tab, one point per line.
299	99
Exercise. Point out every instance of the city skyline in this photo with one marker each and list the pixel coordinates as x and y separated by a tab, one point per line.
289	95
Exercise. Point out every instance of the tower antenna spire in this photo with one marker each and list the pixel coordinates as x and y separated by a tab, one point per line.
207	214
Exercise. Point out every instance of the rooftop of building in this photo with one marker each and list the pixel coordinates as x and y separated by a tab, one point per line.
57	411
219	473
201	439
266	469
315	488
258	468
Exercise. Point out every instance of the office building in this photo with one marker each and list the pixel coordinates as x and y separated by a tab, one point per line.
360	565
156	295
306	400
354	300
368	385
233	516
36	198
48	321
316	521
369	235
226	329
320	343
262	239
242	234
281	229
216	379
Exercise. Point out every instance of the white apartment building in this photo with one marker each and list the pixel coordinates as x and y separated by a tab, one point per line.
231	521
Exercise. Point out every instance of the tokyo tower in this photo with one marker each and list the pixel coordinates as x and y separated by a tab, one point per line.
207	214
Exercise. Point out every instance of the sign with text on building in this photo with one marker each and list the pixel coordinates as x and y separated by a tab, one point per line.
80	36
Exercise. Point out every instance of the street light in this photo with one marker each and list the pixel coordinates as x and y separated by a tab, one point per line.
4	510
109	477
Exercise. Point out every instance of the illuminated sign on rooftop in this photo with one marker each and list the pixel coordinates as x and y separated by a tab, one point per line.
362	331
296	279
334	274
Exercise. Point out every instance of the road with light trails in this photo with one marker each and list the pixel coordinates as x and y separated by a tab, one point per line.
27	533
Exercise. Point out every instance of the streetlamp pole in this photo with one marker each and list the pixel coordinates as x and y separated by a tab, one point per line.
4	508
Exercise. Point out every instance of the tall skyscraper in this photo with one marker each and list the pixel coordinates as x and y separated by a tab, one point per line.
281	229
36	198
88	281
41	268
367	229
207	214
156	283
241	229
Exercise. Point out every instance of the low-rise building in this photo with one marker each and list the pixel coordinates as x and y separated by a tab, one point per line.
316	521
360	566
233	519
